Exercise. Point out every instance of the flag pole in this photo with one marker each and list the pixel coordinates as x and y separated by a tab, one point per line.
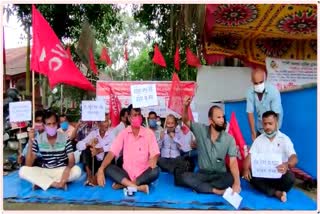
61	99
33	100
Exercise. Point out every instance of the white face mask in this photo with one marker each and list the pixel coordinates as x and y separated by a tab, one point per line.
158	123
259	88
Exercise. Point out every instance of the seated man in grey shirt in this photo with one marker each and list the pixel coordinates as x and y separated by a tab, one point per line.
213	146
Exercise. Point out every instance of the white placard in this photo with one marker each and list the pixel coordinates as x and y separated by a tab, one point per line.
20	111
144	95
93	110
233	198
264	165
286	74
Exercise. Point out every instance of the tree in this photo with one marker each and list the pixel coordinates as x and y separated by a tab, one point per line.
66	21
175	25
133	34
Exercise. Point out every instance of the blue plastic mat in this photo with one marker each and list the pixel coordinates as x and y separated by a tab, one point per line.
163	194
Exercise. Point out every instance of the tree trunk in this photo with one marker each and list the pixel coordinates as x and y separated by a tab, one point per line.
28	81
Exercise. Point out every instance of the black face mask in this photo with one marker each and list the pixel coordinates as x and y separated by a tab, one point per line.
171	130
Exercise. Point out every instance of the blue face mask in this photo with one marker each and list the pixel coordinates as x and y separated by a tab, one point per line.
64	125
271	135
152	123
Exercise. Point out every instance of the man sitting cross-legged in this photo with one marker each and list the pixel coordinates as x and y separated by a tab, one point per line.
140	155
58	166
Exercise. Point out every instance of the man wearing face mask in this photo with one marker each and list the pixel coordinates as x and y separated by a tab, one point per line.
56	150
171	145
273	141
65	126
263	97
213	144
38	128
140	155
154	124
124	122
95	146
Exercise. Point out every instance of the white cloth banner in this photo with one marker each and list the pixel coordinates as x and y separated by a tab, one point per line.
264	165
144	95
93	110
288	74
20	111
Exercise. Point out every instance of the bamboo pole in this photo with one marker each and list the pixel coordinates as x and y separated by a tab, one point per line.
33	99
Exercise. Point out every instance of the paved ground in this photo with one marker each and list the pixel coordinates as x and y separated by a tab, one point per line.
39	206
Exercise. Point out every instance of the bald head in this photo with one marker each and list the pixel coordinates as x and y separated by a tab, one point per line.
257	76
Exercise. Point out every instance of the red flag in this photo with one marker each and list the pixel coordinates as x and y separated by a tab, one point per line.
126	57
93	66
69	52
104	56
114	108
176	97
234	130
51	59
158	58
177	59
192	59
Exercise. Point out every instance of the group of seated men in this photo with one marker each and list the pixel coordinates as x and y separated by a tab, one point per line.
133	155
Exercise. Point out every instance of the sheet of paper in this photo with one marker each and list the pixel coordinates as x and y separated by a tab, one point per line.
264	165
93	110
144	95
234	199
20	111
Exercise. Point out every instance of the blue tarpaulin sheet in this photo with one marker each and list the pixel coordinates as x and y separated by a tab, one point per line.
162	194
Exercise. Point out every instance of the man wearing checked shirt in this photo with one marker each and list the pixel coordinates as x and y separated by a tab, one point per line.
262	97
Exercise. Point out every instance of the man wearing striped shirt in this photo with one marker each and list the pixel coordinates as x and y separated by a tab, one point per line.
58	165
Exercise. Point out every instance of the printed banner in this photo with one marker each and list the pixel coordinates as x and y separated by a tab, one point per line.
289	74
123	91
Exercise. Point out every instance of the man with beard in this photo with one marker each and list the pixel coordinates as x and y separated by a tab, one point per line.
213	144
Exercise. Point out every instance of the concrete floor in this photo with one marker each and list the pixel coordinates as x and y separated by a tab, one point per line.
7	205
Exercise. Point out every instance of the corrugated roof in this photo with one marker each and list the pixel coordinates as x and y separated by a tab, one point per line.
16	60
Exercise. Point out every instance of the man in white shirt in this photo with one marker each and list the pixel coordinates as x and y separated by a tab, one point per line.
123	122
272	141
96	145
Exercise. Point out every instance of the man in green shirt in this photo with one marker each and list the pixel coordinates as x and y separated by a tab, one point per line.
213	146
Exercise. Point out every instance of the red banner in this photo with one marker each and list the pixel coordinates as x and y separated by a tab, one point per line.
122	90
